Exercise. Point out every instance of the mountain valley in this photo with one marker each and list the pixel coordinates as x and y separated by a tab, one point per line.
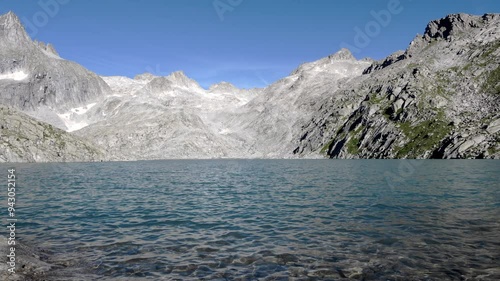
440	98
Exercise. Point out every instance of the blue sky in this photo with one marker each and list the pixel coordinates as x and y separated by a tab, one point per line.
249	43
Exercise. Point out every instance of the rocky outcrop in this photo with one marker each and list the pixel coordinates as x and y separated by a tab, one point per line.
29	265
25	139
36	263
438	99
450	26
49	48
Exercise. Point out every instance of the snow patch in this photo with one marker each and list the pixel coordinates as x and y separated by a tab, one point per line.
69	117
71	124
83	109
225	131
17	76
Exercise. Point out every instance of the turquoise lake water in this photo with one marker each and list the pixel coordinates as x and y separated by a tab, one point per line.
263	219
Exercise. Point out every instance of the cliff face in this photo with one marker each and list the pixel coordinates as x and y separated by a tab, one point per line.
32	74
438	99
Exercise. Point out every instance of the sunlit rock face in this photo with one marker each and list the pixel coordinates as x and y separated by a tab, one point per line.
438	99
32	74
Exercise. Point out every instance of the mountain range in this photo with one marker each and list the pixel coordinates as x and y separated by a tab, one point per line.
439	98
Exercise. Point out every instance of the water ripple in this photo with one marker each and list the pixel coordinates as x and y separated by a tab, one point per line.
269	220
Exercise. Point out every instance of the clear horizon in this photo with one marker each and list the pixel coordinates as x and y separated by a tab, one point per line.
247	43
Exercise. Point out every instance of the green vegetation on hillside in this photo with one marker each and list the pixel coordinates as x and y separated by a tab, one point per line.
492	83
326	147
354	141
422	136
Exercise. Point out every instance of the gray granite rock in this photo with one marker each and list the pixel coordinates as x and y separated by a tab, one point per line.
32	74
438	99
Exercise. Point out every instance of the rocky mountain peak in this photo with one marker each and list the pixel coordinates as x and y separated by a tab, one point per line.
223	87
166	83
48	81
11	29
179	78
341	59
10	18
147	77
342	54
450	25
178	75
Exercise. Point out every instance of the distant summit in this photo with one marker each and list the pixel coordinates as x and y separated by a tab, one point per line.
342	57
223	87
145	77
343	54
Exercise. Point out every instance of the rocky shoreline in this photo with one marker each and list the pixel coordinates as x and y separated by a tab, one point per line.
33	263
